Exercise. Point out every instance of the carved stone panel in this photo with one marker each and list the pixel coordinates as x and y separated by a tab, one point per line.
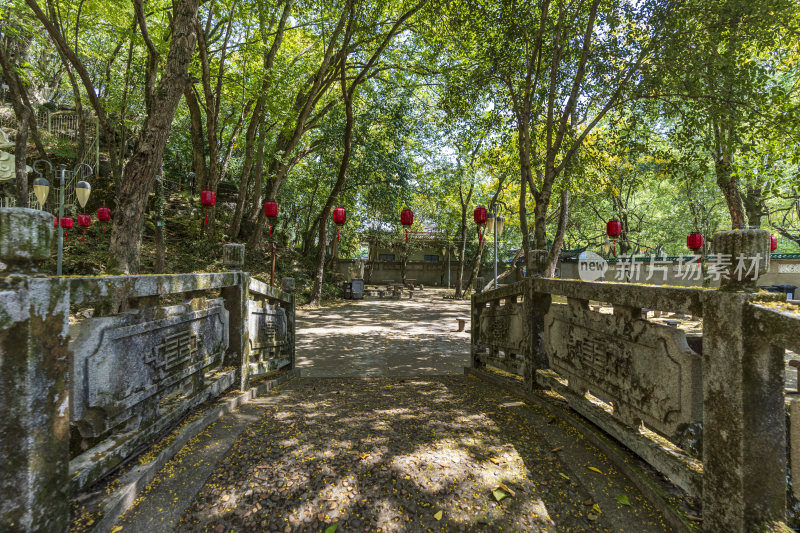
503	328
139	366
647	371
269	331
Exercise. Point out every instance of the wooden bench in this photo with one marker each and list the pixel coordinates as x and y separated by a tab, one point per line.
462	322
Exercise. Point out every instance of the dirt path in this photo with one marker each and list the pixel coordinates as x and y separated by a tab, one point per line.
384	337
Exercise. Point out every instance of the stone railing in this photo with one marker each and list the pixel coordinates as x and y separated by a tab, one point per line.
93	369
707	410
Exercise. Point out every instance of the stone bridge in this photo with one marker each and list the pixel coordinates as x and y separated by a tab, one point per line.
208	402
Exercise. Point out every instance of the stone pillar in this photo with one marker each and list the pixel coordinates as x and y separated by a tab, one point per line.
537	306
236	303
233	256
34	394
287	285
744	422
747	244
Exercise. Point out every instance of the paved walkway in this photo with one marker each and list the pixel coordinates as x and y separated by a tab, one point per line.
384	337
431	452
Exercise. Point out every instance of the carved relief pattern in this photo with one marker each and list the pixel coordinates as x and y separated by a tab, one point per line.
136	367
647	371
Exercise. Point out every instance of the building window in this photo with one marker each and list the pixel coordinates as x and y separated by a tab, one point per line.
386	257
432	258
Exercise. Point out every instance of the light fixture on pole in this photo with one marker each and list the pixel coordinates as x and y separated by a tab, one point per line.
82	192
41	186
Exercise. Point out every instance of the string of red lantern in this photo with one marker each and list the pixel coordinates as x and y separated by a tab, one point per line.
271	212
84	221
339	218
614	230
66	223
406	219
480	215
103	215
207	199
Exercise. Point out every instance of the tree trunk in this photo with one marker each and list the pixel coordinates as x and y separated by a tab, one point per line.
198	139
558	242
159	232
347	95
145	163
247	167
462	252
20	156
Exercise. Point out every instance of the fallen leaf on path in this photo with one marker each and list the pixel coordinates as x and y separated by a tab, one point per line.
504	488
563	475
593	469
591	516
597	508
623	499
499	495
332	529
438	516
558	449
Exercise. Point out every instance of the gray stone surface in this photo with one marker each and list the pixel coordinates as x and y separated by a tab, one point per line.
25	238
34	404
647	371
374	337
233	256
140	365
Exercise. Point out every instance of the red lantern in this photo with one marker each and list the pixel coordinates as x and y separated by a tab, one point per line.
694	241
103	215
614	228
84	221
55	222
407	219
480	215
207	199
66	223
773	243
339	218
271	212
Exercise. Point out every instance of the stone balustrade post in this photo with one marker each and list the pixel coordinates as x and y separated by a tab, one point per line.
34	392
288	286
744	425
537	306
236	298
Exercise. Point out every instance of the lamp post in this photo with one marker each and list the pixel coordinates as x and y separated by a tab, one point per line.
495	224
82	191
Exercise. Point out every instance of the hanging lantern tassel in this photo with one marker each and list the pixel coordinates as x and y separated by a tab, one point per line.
406	236
270	228
480	235
337	233
206	222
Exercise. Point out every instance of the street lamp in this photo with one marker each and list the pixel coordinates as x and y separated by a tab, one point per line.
495	224
82	191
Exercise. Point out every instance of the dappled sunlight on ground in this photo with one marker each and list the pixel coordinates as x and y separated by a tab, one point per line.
391	454
384	337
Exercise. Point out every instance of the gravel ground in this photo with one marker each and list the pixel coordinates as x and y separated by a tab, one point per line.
414	454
